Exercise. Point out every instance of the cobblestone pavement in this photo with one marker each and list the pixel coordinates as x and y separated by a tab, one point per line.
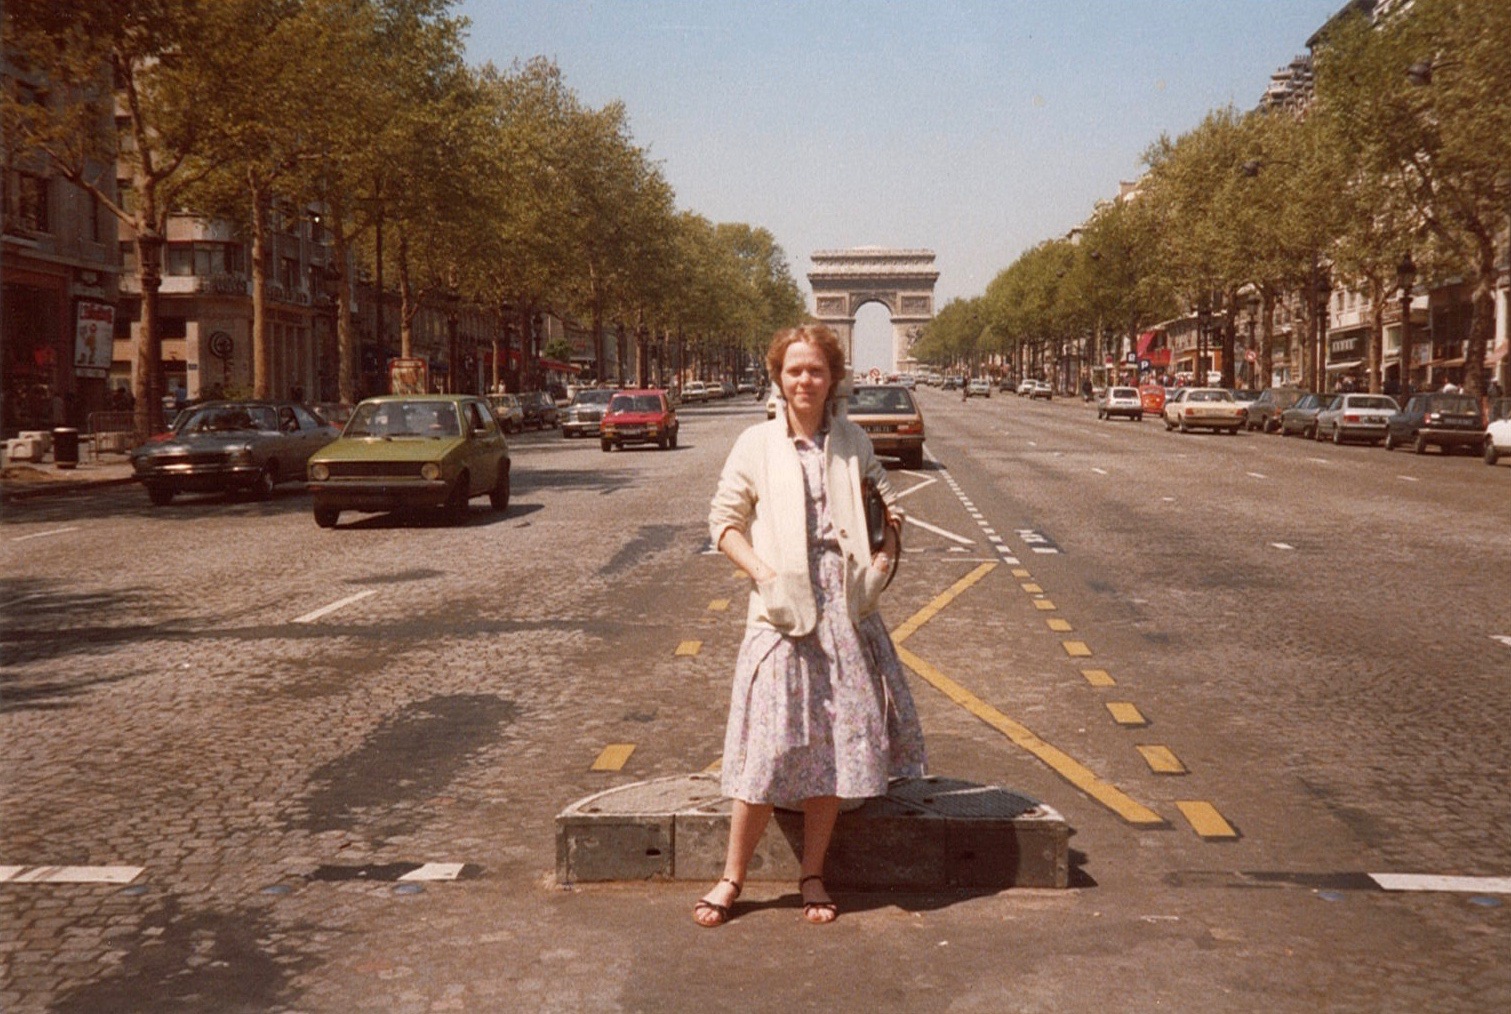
1343	702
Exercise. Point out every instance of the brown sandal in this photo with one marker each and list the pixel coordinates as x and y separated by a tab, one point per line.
722	911
812	908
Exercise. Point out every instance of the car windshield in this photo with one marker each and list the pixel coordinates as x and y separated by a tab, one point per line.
593	397
881	401
229	419
1372	401
404	419
1454	403
1209	396
1500	409
1124	392
635	403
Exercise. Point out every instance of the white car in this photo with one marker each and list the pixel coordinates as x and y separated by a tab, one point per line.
1025	387
695	391
1124	401
773	403
1210	408
1356	417
1041	389
1498	433
978	387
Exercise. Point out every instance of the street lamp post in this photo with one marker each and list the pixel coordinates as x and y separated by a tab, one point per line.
1251	351
1203	322
1324	293
1406	276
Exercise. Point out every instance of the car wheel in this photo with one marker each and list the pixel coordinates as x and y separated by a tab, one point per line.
326	517
913	459
1183	427
1390	441
160	496
1420	444
456	502
607	445
498	496
267	479
674	439
665	443
1139	418
1169	426
1338	436
1491	454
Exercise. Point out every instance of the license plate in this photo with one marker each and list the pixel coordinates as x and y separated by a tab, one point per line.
881	429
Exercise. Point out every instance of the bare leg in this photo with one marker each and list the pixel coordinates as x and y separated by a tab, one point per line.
819	815
746	826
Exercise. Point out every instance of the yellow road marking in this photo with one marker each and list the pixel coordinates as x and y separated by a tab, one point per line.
1099	677
1162	761
718	605
688	648
1044	605
928	612
1205	820
1031	588
1060	626
613	757
1020	573
1076	649
1067	767
1124	713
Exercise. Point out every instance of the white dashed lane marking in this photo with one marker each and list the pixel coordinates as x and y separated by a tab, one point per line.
1256	475
1433	882
43	535
327	610
1408	478
1100	471
1281	545
1502	638
69	874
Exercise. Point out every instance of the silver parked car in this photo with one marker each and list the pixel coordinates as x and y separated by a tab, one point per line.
231	445
583	416
1355	417
1124	401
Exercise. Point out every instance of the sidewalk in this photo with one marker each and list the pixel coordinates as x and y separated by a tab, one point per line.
26	479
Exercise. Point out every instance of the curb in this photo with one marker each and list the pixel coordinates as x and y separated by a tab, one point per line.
32	491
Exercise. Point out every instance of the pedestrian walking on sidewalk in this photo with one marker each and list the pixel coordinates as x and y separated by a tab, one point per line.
820	710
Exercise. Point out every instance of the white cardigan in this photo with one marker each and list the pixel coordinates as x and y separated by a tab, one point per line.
761	493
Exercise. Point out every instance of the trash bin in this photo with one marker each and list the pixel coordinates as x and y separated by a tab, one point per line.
65	447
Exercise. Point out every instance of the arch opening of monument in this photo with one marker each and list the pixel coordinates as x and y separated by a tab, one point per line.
902	280
871	343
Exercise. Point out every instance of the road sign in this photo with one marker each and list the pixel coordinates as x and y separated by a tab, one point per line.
1144	364
1249	356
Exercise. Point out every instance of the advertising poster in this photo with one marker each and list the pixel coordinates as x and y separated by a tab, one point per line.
94	336
408	376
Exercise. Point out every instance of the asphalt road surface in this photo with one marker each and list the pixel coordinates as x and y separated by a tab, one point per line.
1285	665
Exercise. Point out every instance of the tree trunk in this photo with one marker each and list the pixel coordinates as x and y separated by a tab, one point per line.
406	301
347	357
1375	353
1482	323
1229	336
262	351
148	383
1266	336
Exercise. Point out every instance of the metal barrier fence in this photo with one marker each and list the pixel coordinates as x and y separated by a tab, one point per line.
111	431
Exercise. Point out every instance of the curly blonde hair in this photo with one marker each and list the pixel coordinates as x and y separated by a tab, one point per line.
821	337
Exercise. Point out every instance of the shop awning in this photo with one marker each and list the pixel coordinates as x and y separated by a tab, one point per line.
1144	341
1446	364
552	364
1158	357
1349	365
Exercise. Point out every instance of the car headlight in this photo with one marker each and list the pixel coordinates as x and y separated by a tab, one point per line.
430	471
241	456
320	471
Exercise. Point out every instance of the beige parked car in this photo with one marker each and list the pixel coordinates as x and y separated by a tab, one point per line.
1204	408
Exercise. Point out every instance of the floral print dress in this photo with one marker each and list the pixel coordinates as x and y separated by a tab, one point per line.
828	713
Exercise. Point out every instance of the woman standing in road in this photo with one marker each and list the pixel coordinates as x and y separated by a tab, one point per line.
820	710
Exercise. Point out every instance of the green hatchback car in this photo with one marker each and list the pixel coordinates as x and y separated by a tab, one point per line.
412	451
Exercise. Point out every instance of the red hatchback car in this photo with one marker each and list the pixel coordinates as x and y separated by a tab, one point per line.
1152	397
639	417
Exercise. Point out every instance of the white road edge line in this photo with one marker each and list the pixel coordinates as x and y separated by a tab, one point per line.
43	535
927	481
1431	882
324	610
939	531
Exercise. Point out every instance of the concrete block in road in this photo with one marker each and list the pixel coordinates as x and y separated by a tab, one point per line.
926	833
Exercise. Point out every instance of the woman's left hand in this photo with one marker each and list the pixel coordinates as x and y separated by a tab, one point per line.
882	559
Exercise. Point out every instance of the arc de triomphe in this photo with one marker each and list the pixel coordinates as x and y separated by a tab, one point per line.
901	280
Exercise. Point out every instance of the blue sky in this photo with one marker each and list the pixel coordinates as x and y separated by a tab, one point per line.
975	129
